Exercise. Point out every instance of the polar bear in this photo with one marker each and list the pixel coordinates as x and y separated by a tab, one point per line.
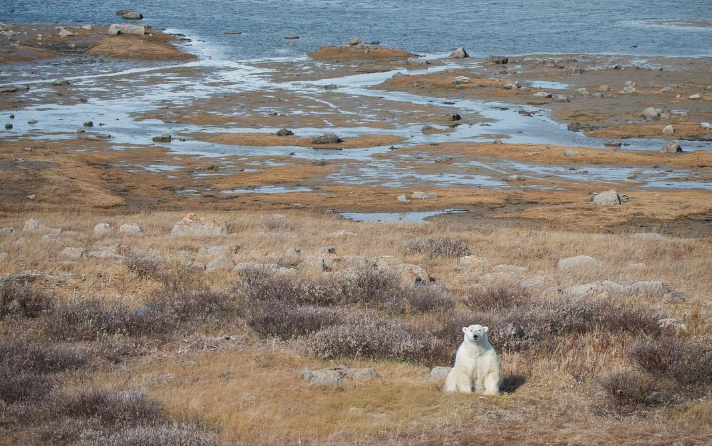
476	364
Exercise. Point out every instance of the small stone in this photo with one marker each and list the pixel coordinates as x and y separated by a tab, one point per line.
604	88
612	143
60	82
116	29
89	124
284	132
560	98
8	126
193	224
460	80
291	37
31	197
542	95
668	130
73	253
221	263
695	96
402	198
570	152
454	117
65	33
87	27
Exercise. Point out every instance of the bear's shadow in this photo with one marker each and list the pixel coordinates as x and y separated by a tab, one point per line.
511	383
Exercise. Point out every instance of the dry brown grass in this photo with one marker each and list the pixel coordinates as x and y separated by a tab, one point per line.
250	390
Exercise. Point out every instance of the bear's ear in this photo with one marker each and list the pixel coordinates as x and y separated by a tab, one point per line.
464	329
486	329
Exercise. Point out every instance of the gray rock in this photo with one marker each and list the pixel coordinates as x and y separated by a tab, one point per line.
327	250
8	89
423	195
417	61
33	225
132	15
695	96
338	375
130	229
612	144
217	249
119	28
3	255
497	60
7	231
102	229
668	130
284	132
221	263
592	289
327	138
60	82
579	262
439	373
560	98
607	198
106	252
652	114
73	253
402	198
653	235
291	37
460	80
459	53
542	95
671	147
538	282
570	152
194	225
65	33
356	42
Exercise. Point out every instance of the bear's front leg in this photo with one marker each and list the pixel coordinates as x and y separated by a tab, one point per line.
464	384
491	383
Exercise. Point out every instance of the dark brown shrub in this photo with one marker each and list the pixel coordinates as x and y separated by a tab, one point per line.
183	306
19	386
496	296
366	336
286	321
115	409
144	267
89	319
159	435
22	300
688	363
264	284
437	247
628	390
45	358
372	287
430	299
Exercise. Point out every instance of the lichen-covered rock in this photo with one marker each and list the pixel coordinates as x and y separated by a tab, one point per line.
193	224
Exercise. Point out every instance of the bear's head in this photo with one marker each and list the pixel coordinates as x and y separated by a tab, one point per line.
475	333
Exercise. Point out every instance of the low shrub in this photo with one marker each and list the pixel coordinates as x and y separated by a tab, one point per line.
371	287
430	299
496	296
40	358
181	306
159	435
286	321
367	336
112	408
22	300
686	362
627	391
90	319
144	267
435	247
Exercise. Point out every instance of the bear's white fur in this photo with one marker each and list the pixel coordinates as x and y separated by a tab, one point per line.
476	364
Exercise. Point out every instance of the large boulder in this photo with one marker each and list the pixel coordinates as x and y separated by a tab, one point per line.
338	375
671	147
221	263
459	53
193	224
120	28
579	262
607	198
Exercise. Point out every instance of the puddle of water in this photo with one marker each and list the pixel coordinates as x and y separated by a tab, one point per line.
548	85
268	190
397	217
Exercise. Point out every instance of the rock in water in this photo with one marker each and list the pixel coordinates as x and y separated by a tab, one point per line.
284	132
118	28
327	138
459	53
192	224
163	138
671	147
132	15
607	198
